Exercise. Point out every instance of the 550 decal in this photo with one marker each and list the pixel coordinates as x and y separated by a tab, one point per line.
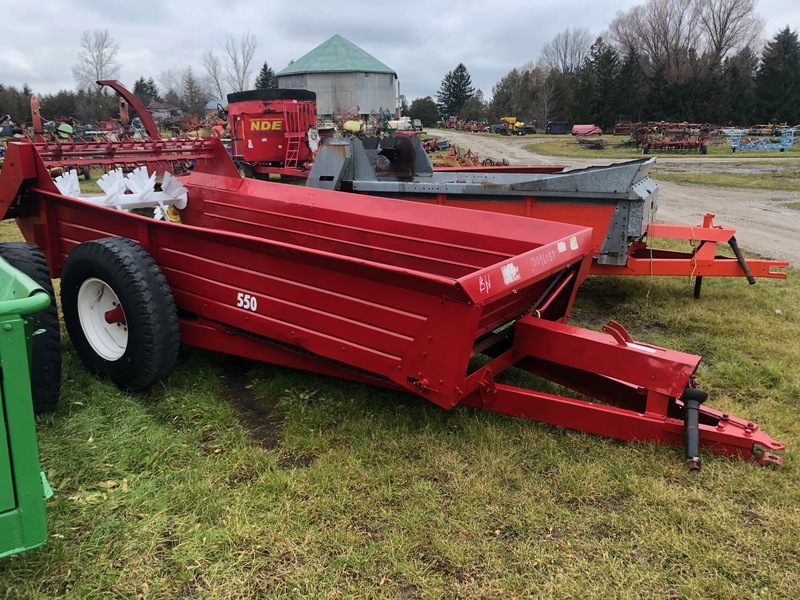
246	301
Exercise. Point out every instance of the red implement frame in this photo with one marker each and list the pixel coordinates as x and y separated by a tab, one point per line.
704	260
390	292
175	154
642	259
618	210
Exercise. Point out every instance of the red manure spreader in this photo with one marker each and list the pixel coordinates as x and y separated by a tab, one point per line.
381	291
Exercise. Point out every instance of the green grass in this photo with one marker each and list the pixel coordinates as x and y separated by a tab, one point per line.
786	181
376	494
619	147
90	186
787	177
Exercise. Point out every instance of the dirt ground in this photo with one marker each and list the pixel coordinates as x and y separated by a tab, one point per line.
764	224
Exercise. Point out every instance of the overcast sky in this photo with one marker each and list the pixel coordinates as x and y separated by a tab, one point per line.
422	41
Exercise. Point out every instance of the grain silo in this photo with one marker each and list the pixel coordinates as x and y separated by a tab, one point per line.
343	76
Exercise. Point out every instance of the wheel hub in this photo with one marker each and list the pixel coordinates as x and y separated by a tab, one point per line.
102	319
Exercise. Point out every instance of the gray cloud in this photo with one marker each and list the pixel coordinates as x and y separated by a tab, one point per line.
421	41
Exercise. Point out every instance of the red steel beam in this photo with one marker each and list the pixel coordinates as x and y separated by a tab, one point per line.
704	260
638	384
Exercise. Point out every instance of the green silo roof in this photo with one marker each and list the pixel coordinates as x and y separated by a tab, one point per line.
336	54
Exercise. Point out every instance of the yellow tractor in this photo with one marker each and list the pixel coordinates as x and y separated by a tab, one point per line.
512	125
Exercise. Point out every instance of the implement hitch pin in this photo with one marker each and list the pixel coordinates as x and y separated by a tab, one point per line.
692	398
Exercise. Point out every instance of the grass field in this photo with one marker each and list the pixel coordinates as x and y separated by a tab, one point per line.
781	175
242	480
620	147
786	181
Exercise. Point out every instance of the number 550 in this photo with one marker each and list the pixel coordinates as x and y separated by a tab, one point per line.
246	301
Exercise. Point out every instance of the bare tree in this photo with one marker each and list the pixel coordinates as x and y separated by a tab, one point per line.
232	73
567	50
544	101
728	26
214	74
96	58
678	37
171	80
666	31
172	84
240	55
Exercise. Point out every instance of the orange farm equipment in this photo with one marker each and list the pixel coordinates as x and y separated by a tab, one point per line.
617	201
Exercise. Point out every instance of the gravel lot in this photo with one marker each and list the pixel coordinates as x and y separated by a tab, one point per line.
764	225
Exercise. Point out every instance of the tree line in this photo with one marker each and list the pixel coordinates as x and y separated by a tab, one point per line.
672	60
226	69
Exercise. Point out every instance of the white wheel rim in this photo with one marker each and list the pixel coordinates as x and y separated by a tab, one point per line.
102	319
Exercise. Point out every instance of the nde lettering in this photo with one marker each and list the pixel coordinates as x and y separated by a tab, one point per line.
266	125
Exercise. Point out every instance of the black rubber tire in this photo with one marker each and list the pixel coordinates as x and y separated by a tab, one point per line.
646	149
146	299
45	345
703	149
246	170
86	172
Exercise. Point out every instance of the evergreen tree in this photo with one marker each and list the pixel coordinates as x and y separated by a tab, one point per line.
630	86
512	96
739	72
580	109
455	90
92	106
605	96
565	86
15	103
659	96
87	106
63	103
597	97
778	79
174	98
475	108
404	108
425	110
146	90
266	80
193	95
